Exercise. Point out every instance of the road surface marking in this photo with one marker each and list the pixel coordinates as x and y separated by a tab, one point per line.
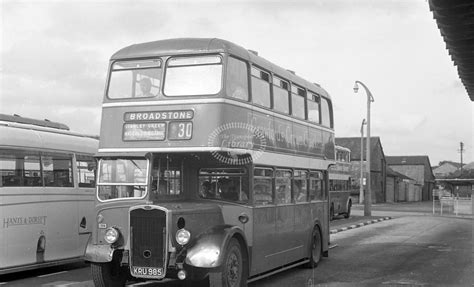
333	246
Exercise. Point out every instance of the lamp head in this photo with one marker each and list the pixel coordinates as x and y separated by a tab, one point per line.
356	87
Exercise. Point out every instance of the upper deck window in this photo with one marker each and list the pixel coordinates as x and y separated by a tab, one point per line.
237	85
135	79
260	87
313	107
280	95
200	75
298	102
326	113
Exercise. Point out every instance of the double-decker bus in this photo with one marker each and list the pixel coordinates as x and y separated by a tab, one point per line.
340	184
47	180
213	166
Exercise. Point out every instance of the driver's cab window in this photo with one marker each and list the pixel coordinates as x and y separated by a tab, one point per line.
166	179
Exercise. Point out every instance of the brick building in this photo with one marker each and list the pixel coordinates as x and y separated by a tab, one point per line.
417	168
377	167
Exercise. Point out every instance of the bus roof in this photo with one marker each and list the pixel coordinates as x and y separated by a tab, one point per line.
19	135
42	123
187	46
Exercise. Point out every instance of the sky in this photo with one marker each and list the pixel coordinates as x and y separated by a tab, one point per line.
54	57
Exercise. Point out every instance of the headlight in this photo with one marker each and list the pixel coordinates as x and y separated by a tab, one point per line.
183	236
111	235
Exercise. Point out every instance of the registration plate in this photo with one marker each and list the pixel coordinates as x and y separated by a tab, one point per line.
147	271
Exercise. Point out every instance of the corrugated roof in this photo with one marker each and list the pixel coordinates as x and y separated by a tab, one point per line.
412	160
455	20
391	172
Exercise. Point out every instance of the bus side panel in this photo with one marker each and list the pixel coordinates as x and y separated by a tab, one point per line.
320	213
264	224
303	216
24	222
85	217
287	247
63	223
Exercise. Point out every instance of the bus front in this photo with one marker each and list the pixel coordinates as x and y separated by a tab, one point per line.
158	148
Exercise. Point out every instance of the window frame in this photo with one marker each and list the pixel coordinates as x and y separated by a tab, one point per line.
271	179
281	86
165	73
133	88
254	68
315	98
298	91
247	77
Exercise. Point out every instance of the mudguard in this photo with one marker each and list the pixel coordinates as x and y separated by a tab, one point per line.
208	248
98	253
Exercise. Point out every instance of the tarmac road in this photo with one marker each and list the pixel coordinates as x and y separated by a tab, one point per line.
413	248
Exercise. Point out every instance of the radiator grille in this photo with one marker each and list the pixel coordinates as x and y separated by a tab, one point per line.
148	238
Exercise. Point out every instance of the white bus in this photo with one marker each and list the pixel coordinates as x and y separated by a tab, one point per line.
47	180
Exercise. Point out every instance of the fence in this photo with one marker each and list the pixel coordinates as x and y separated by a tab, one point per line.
450	205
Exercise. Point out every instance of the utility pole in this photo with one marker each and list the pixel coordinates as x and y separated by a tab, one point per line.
461	150
361	188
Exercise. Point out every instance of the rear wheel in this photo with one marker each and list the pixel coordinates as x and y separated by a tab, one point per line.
232	273
316	248
348	213
108	274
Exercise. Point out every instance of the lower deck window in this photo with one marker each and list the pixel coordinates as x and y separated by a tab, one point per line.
225	184
263	186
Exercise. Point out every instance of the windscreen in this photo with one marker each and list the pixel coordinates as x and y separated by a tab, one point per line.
135	79
122	178
193	76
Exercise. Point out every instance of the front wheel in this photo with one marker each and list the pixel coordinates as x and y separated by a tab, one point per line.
316	247
108	274
232	273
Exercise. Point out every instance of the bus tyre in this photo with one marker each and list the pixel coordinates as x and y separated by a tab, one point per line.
316	247
232	273
108	274
348	213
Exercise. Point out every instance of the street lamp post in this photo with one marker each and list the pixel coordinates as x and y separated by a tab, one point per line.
368	195
361	189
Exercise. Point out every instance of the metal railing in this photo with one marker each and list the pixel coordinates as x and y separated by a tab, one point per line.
452	205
